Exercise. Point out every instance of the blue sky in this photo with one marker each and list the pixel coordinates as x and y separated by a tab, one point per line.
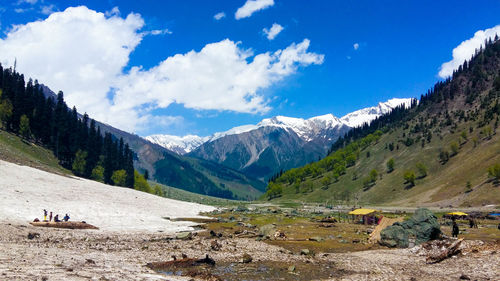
400	48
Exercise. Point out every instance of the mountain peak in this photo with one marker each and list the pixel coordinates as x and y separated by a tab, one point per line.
306	129
179	145
366	115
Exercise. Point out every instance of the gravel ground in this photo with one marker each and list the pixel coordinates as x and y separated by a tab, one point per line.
61	254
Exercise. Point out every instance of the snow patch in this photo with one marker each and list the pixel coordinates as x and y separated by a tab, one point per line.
25	192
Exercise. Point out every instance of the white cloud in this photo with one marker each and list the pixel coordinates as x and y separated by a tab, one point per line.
83	53
113	12
49	9
32	2
78	51
158	32
355	46
252	6
466	50
219	16
221	76
273	31
21	10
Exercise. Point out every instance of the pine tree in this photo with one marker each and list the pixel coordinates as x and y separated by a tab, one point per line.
24	127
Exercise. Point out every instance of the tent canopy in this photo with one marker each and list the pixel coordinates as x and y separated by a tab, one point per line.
457	214
362	212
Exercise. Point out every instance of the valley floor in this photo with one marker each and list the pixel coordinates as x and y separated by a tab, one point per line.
60	254
134	230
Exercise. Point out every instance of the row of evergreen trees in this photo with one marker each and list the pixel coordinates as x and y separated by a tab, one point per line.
76	141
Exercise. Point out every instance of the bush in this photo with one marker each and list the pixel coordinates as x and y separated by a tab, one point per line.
494	173
98	173
373	175
274	190
422	170
444	156
119	177
409	177
390	165
141	184
79	163
24	127
454	148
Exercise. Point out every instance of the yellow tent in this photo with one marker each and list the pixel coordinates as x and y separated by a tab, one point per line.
362	212
457	214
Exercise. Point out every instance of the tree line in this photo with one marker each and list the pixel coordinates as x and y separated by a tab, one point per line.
75	140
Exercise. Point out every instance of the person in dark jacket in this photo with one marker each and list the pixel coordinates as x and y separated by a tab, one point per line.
56	218
455	230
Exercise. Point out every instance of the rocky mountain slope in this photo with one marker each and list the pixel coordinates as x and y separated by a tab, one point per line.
280	143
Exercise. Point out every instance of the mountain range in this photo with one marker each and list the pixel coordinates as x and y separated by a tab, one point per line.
442	151
274	144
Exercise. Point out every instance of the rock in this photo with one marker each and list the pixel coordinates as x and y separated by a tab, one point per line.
90	261
241	208
422	226
215	245
183	235
316	239
305	252
394	236
279	235
246	258
464	277
343	241
291	268
33	235
267	230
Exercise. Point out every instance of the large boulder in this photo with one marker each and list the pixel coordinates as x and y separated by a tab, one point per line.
421	227
395	236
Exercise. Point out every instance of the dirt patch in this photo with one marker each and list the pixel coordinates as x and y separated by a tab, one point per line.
65	224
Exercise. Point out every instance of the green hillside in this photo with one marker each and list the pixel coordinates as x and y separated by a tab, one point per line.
451	135
14	149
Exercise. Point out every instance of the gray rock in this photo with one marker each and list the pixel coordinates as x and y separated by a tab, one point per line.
305	252
246	258
183	235
316	239
267	230
421	227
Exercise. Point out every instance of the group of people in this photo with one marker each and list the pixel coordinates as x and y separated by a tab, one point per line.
56	218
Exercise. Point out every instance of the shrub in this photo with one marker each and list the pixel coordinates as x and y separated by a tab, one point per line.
422	170
390	165
409	177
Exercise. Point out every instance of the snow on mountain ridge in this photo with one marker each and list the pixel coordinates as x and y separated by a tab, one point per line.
180	145
366	115
307	129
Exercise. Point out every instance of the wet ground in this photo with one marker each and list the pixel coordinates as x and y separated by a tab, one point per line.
260	271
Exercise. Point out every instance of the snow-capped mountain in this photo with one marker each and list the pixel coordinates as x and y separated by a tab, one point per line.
274	143
179	145
366	115
306	129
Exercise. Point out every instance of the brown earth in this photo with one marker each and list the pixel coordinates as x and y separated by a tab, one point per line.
63	254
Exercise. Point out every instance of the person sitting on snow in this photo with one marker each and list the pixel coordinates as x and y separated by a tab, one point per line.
66	217
56	218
